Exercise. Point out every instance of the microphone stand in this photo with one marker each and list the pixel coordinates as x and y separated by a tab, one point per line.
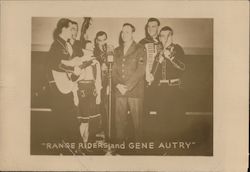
109	99
110	60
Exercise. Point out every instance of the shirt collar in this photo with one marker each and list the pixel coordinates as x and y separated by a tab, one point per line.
61	40
130	48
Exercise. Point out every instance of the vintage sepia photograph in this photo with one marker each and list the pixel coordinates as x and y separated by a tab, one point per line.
121	86
124	85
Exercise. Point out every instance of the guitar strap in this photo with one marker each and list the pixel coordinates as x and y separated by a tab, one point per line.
68	48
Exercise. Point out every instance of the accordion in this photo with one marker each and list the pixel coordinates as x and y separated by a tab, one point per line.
151	49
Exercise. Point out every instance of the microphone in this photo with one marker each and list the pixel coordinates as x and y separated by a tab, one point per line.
110	53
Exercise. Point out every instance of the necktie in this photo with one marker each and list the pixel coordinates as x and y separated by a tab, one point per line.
69	48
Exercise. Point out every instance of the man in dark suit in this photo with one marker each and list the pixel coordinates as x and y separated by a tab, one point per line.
151	31
150	42
166	74
128	78
100	52
62	104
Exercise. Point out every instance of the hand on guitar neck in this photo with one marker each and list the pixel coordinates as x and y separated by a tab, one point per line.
79	63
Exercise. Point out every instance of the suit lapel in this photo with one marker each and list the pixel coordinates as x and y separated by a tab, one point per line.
120	52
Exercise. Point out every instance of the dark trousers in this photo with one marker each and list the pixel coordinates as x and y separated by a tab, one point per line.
171	110
150	99
123	105
64	116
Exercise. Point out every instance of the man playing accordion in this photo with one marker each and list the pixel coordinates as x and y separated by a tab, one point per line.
151	43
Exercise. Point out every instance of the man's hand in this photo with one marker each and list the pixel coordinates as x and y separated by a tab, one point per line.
161	58
86	58
167	54
149	77
122	88
68	63
94	62
77	70
104	67
76	61
98	99
107	91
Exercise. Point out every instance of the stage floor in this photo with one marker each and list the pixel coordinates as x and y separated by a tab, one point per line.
194	128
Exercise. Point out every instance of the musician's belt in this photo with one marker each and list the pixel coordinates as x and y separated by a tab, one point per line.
171	82
86	81
52	81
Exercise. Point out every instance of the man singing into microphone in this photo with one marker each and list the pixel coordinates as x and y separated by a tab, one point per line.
128	79
101	54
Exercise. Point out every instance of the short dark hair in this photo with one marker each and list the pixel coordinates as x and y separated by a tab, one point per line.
154	20
100	33
62	23
166	28
146	26
84	44
130	25
74	22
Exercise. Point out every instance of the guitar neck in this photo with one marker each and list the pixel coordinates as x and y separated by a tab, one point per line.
85	64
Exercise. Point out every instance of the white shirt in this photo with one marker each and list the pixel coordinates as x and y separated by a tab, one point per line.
126	47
